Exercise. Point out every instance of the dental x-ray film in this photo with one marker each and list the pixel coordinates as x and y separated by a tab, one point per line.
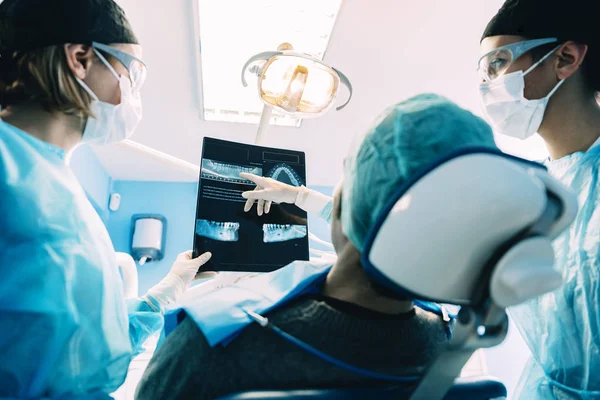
244	241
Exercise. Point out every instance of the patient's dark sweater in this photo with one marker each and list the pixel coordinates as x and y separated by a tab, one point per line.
186	367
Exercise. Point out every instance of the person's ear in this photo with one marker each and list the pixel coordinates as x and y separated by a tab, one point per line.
569	60
337	206
78	58
337	201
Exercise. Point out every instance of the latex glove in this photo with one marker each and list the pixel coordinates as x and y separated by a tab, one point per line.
269	190
178	280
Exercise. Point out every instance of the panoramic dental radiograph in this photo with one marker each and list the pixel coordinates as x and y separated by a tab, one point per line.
221	231
274	233
219	171
286	174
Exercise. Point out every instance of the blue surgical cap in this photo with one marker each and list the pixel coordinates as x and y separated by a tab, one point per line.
407	137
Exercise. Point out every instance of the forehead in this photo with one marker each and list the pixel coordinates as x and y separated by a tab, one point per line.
493	42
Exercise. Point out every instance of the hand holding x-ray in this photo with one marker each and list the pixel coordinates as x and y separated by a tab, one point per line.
184	270
189	269
267	191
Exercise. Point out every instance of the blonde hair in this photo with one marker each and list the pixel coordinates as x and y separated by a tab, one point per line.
42	76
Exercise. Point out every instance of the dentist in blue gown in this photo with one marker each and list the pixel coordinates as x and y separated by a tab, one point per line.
70	72
540	71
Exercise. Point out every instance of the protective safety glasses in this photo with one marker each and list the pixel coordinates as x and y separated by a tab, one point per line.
135	66
495	63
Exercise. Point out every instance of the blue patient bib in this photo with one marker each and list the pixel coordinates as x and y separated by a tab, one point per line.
220	314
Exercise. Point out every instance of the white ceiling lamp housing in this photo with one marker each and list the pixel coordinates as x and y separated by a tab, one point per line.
295	84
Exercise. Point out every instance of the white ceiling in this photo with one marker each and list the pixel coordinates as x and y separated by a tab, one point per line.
390	49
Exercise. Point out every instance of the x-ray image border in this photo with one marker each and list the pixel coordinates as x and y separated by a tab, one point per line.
245	241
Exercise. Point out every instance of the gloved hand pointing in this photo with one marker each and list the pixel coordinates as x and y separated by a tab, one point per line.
269	190
266	192
178	280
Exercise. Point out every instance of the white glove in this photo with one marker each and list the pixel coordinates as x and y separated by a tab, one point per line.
269	190
266	192
178	280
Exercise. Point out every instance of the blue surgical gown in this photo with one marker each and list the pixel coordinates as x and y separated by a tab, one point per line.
562	328
65	327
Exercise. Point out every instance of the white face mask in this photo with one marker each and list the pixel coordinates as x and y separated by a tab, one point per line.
505	105
113	123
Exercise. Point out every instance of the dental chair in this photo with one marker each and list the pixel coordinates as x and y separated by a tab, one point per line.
479	226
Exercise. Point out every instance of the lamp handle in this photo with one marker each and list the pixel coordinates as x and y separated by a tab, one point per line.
260	56
344	79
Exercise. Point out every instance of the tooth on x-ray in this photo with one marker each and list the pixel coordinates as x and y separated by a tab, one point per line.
286	172
273	233
221	231
227	172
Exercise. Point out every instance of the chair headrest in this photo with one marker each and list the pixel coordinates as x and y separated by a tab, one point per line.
476	223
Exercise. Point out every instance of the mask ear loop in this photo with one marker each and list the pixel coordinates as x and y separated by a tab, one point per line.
541	60
558	85
107	64
87	89
110	68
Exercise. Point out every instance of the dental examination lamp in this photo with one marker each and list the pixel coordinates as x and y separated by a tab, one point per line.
294	83
475	229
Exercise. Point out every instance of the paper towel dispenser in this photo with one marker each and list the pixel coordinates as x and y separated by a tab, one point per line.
148	236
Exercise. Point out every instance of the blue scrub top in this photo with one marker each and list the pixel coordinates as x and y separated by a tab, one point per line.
562	328
65	325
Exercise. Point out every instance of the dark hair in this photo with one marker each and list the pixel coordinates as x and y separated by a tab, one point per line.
34	24
590	67
33	63
42	76
539	19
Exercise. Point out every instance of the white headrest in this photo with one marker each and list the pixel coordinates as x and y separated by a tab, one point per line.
443	233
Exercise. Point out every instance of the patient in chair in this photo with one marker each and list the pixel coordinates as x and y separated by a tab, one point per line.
352	319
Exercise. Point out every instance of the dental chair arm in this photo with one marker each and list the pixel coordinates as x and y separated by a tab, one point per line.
523	273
